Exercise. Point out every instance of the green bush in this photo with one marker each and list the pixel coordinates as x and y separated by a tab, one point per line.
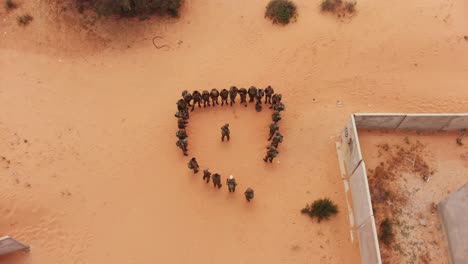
24	20
321	208
281	11
9	4
386	234
330	5
131	8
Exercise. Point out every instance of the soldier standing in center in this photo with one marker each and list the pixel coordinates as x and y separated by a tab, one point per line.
252	93
232	94
181	105
206	175
193	165
276	117
197	98
273	128
249	194
206	98
214	96
183	145
225	132
224	96
181	123
181	134
243	96
278	138
216	180
276	98
268	93
271	154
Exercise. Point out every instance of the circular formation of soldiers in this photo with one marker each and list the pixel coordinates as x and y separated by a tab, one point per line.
190	100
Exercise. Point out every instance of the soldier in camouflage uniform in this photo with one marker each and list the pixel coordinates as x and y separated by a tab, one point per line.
243	96
276	117
206	98
231	183
258	106
181	123
214	96
249	194
278	107
278	138
197	98
187	97
181	134
252	93
271	154
268	93
193	165
224	96
216	178
225	132
206	175
181	105
276	98
184	114
260	94
232	94
273	128
182	144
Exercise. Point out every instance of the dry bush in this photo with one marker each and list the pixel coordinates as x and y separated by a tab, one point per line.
281	11
386	234
338	7
321	208
9	4
24	20
132	8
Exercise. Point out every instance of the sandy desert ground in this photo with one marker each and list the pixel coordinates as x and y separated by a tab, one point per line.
87	124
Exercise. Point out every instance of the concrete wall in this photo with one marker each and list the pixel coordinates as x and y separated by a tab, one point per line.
359	186
368	242
350	146
454	214
420	122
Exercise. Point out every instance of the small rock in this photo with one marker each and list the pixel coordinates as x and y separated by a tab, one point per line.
466	38
339	103
423	222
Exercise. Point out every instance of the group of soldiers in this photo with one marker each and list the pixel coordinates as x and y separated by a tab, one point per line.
212	99
216	178
256	95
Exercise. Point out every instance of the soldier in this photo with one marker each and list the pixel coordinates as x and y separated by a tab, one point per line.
197	98
276	98
184	114
260	94
187	97
273	128
181	123
214	96
252	93
278	107
249	194
206	98
225	132
181	134
231	183
278	138
232	94
224	96
271	154
206	175
258	106
182	144
193	165
216	180
243	96
276	117
181	105
268	93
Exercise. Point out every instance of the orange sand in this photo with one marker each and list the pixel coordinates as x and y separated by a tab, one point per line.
100	179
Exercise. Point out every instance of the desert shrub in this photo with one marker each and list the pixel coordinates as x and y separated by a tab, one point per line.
131	8
386	234
321	208
338	7
281	11
24	20
9	4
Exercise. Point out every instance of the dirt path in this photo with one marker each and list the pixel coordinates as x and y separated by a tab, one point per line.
100	175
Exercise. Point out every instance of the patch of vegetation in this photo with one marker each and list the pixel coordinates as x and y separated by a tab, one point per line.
386	234
24	20
321	208
132	8
9	4
338	7
281	11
